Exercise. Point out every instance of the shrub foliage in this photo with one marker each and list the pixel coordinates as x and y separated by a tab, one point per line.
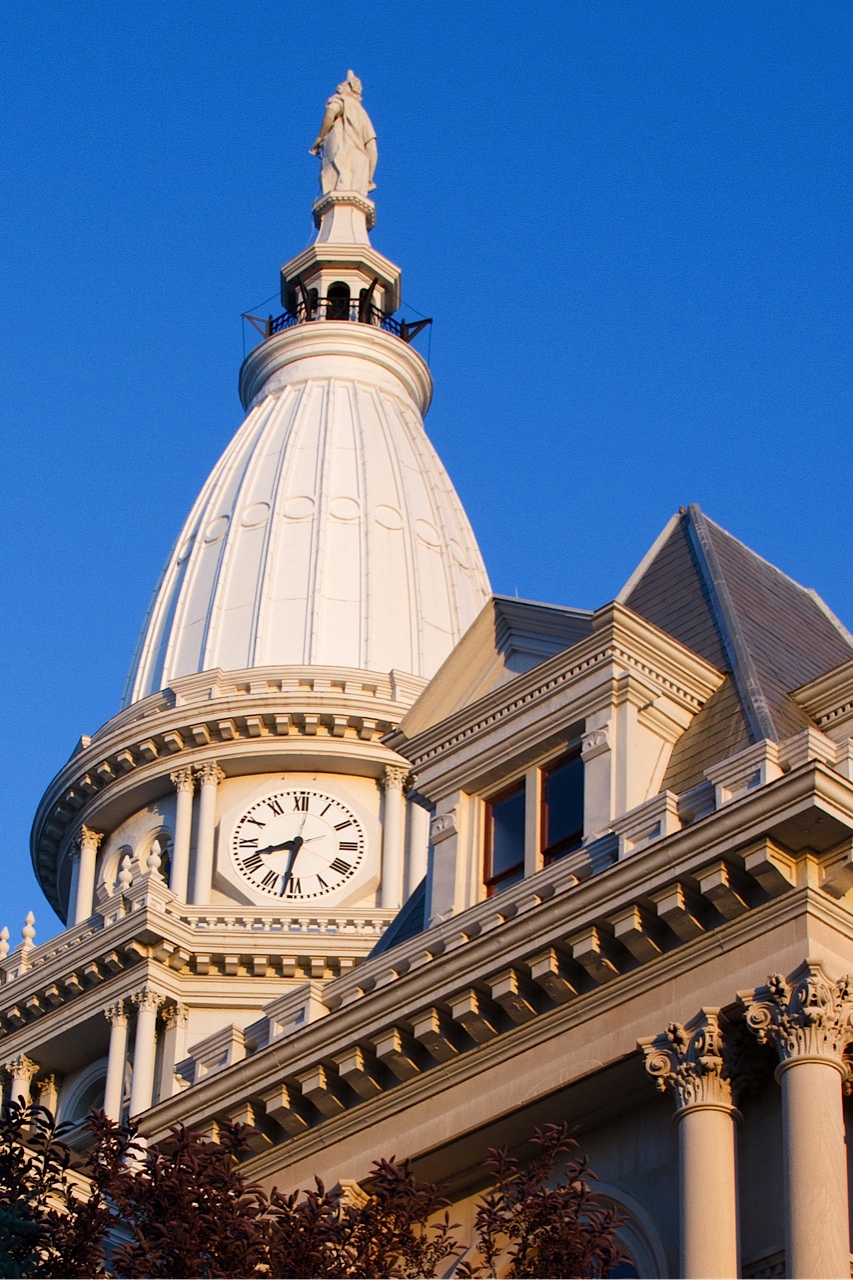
184	1208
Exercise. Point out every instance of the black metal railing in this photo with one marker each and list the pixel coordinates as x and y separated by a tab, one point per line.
359	311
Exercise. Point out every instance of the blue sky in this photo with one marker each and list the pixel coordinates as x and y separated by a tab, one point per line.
630	222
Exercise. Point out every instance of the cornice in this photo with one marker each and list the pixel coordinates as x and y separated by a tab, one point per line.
548	951
621	639
829	698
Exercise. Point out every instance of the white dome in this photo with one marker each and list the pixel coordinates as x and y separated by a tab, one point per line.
328	532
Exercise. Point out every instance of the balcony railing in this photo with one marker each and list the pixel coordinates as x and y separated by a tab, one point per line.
337	309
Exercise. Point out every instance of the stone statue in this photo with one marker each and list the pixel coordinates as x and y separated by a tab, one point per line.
346	142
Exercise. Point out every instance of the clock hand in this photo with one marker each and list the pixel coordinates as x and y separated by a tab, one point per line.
295	846
274	848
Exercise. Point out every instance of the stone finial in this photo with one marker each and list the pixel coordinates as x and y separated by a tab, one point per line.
154	858
183	779
4	942
688	1061
28	932
125	875
807	1015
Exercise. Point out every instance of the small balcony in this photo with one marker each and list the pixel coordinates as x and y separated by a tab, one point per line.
338	305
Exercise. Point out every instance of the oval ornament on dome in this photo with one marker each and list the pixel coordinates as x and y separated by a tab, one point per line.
458	554
388	517
344	509
186	548
217	528
427	533
300	507
257	513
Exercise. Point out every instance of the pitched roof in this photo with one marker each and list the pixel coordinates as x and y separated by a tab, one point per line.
745	616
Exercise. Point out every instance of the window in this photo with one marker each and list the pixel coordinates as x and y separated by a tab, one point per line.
338	301
562	807
505	838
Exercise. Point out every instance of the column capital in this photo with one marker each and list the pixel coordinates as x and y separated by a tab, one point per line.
89	839
395	777
147	999
209	773
48	1084
808	1015
116	1013
21	1068
183	779
176	1015
687	1060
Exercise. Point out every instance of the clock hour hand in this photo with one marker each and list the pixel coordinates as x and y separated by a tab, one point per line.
275	848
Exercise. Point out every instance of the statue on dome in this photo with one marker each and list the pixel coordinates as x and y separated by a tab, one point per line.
346	142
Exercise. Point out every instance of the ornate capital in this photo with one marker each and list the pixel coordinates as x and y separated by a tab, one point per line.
688	1061
147	1000
395	777
116	1014
48	1085
176	1015
21	1068
809	1015
182	779
209	774
88	840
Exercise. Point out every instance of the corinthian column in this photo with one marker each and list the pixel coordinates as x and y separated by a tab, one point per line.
147	1003
808	1020
88	842
688	1062
116	1016
21	1072
182	780
391	891
209	776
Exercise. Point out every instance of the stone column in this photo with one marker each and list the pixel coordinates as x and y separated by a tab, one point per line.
182	780
21	1072
116	1016
688	1061
209	776
147	1003
393	829
808	1020
174	1047
88	842
418	852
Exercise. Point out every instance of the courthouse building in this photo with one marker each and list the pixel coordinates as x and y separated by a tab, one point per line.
381	863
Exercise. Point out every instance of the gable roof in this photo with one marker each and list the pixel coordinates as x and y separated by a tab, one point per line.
508	637
746	617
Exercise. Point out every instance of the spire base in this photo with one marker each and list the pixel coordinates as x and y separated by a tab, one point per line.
344	217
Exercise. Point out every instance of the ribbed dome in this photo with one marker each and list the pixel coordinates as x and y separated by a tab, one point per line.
328	532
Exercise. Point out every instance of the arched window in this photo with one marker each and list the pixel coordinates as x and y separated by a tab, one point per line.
338	301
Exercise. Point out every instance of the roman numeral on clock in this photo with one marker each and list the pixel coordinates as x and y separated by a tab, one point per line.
348	846
275	805
251	843
292	889
269	879
252	861
256	822
340	866
339	826
300	802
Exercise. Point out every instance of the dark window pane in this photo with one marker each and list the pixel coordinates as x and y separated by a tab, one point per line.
562	806
507	823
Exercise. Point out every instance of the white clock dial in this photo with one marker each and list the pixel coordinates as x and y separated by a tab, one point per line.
298	844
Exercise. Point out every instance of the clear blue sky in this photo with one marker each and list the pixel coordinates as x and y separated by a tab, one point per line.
629	219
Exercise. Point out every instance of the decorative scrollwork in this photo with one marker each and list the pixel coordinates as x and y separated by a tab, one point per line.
808	1015
688	1061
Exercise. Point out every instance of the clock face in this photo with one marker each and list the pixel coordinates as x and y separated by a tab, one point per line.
298	845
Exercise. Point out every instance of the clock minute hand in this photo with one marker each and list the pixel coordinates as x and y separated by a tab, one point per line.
295	846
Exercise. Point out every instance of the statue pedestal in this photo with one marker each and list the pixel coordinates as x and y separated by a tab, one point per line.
344	217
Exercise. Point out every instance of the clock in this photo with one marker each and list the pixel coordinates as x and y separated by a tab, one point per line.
298	845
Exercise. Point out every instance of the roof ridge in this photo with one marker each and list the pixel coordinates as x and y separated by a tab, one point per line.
744	671
758	556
